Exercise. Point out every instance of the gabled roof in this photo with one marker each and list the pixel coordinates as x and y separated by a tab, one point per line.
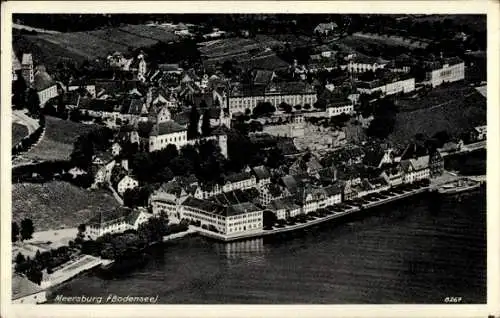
283	203
261	172
114	215
165	128
239	176
420	163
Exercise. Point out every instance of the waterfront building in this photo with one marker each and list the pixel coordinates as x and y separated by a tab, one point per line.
126	183
236	181
372	186
168	198
393	174
25	291
446	71
262	175
284	208
228	220
436	164
314	198
269	193
416	169
115	221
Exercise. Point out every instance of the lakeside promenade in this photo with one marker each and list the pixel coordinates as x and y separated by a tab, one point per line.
435	182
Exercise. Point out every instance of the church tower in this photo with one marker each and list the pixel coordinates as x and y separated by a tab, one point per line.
27	69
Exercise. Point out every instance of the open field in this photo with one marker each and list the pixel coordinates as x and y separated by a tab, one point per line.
437	96
80	46
57	204
454	113
365	38
18	132
57	141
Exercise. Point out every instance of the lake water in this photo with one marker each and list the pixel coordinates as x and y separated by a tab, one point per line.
419	250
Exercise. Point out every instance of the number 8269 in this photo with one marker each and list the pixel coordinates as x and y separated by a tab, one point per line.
453	300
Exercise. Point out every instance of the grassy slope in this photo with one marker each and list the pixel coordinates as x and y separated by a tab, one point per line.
57	143
18	132
55	204
453	111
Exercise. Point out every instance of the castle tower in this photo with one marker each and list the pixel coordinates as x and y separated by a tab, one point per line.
141	72
27	68
222	139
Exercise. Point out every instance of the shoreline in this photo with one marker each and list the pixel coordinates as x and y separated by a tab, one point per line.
318	220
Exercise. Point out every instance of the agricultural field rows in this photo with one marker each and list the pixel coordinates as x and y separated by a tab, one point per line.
57	142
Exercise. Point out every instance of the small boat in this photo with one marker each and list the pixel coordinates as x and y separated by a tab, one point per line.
458	186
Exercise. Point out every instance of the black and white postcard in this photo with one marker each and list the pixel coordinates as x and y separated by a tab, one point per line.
225	153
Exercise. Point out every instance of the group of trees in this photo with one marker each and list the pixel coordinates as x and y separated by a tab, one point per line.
129	243
23	232
243	151
382	125
263	109
87	144
48	260
203	160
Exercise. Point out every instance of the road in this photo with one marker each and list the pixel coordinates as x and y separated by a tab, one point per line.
19	116
466	148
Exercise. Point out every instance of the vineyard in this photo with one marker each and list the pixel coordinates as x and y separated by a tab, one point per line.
81	46
57	141
57	204
460	112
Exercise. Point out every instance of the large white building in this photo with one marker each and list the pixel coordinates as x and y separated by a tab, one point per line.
284	208
361	64
451	70
165	133
241	98
387	87
416	169
339	108
237	181
228	220
115	221
126	183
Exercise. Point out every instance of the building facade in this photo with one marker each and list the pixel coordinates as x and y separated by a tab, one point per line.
450	71
126	183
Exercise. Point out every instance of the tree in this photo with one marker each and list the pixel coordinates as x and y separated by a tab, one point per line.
27	229
307	106
205	124
33	102
298	107
268	219
19	91
285	107
194	118
263	109
20	258
82	228
15	232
